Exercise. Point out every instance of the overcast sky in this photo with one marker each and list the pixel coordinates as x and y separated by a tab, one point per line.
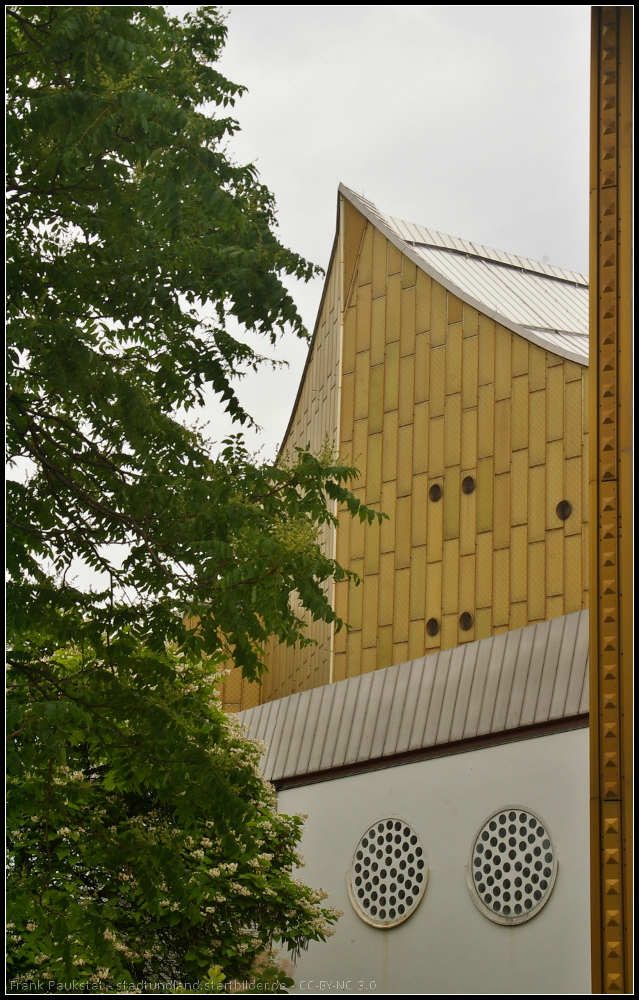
472	120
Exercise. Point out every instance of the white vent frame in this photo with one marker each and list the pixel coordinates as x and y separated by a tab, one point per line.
373	920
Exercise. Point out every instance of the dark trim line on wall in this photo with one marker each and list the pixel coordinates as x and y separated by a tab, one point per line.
442	750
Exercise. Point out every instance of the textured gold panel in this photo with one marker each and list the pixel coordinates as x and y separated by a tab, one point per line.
483	623
468	516
503	449
363	322
469	439
354	655
467	584
537	503
393	308
486	350
391	377
555	562
385	647
503	363
536	368
438	314
437	381
422	367
365	262
519	564
455	308
369	621
389	456
372	548
470	371
501	512
573	583
436	447
454	360
573	442
501	586
369	658
374	477
353	226
486	421
420	441
378	331
389	507
537	428
394	259
485	493
403	532
402	605
453	429
407	327
405	461
348	407
554	482
518	615
360	449
409	272
555	404
520	413
418	583
376	400
484	566
435	525
416	639
423	300
519	488
420	506
452	492
386	587
379	263
519	356
471	321
362	379
348	350
449	631
356	596
573	481
433	595
407	389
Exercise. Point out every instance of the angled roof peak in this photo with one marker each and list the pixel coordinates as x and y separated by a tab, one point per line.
546	305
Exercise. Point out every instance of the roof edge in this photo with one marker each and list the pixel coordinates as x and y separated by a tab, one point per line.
369	211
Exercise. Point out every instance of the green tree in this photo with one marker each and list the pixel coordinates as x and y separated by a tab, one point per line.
133	237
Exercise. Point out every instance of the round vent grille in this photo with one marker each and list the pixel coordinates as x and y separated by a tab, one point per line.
513	866
388	874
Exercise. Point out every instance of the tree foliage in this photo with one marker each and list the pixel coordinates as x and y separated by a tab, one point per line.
133	239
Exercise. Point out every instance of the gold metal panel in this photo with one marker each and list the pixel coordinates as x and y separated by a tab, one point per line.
363	323
416	639
572	371
486	421
555	562
385	647
374	477
391	377
503	450
519	488
537	503
485	493
468	517
454	359
393	307
422	367
403	532
520	412
554	607
433	596
471	321
483	623
354	655
467	584
423	301
386	587
501	586
360	447
453	429
388	506
341	610
365	262
369	621
536	368
376	400
486	350
437	381
573	583
348	407
339	666
389	456
407	323
501	511
455	309
369	658
405	461
484	567
421	418
555	404
357	535
469	439
435	526
378	331
342	553
436	447
554	482
519	355
537	428
418	583
352	228
409	272
406	389
420	507
449	631
573	437
518	615
452	493
402	605
573	479
362	378
372	548
350	332
519	564
503	363
379	263
438	314
470	371
356	596
394	259
450	577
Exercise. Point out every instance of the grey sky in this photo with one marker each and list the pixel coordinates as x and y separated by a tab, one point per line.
468	119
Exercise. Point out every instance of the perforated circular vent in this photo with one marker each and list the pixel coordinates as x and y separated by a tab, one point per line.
388	874
513	866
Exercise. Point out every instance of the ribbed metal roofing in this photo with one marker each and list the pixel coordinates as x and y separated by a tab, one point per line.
530	675
547	305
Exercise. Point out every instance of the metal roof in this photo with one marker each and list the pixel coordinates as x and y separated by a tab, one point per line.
530	675
546	305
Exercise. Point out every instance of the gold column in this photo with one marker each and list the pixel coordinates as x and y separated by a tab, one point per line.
611	497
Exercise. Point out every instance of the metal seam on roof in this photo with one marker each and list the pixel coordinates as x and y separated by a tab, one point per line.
510	681
452	284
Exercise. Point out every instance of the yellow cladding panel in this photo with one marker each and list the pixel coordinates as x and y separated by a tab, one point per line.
452	491
348	350
407	323
353	225
406	389
405	461
483	623
437	381
420	439
519	486
486	350
371	548
467	584
519	356
393	300
572	420
369	659
360	445
385	647
573	582
391	377
485	491
537	427
422	302
374	478
418	583
386	587
572	372
422	367
536	368
537	503
519	564
471	321
503	450
554	607
554	562
486	421
388	506
389	459
501	586
434	524
369	622
365	262
376	400
470	373
363	324
433	598
518	615
409	272
354	655
341	610
469	439
555	403
378	330
420	506
394	259
503	363
379	263
554	482
573	493
436	447
416	639
356	596
468	517
484	567
403	533
339	666
454	360
501	515
449	631
520	412
357	535
402	606
455	309
453	429
362	377
438	315
348	407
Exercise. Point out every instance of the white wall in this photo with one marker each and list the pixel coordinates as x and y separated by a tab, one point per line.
448	946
